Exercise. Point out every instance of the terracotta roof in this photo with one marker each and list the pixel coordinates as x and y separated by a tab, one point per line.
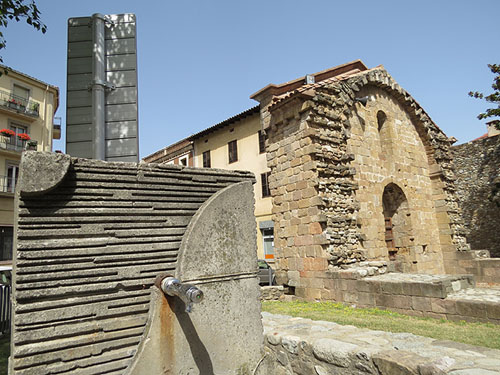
183	142
229	121
272	89
177	146
481	137
308	89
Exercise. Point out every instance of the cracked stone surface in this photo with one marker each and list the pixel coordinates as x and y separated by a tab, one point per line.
330	348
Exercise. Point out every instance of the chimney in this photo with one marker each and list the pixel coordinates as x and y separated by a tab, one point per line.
492	130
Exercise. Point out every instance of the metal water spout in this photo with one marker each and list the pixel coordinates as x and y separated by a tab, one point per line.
188	293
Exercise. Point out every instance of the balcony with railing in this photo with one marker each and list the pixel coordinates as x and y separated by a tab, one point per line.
7	184
56	134
22	106
16	144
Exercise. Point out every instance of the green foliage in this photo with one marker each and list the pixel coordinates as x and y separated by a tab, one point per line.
492	98
480	334
17	10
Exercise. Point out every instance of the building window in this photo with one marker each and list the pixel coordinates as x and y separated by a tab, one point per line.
9	181
262	142
268	238
183	160
21	94
264	179
233	151
6	241
15	141
206	159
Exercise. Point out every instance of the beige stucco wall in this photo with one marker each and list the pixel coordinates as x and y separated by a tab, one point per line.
39	128
394	154
6	210
245	132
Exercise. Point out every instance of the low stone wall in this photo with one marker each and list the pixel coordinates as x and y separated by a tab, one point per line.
486	270
417	295
297	346
271	293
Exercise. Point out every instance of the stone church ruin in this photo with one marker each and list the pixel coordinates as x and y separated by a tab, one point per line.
361	177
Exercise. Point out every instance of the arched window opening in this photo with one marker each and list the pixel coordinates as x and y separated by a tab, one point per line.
385	135
381	118
397	219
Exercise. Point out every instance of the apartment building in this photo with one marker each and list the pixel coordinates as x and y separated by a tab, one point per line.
238	144
27	108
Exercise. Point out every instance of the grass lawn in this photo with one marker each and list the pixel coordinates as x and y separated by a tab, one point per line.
4	353
480	334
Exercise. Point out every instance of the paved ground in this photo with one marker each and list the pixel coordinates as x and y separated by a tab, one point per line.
345	346
477	294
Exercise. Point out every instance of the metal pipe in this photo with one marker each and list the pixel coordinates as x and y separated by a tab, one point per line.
98	86
188	293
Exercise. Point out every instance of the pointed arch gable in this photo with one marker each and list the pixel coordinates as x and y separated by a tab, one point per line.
437	144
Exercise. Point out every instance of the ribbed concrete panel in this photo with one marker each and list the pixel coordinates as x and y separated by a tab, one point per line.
88	251
120	101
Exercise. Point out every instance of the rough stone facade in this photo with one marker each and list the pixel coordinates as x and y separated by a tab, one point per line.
332	159
298	346
477	167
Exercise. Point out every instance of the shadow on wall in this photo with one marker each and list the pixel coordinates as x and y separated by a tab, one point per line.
198	349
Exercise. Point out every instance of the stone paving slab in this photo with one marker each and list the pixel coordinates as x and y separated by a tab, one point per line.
413	277
477	294
304	346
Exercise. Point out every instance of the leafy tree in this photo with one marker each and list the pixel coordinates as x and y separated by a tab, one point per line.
17	10
492	98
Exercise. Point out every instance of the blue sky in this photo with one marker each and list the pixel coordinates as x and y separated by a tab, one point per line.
199	61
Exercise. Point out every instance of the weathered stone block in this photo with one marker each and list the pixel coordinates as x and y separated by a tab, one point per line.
411	288
333	351
401	302
471	309
492	310
397	362
366	299
363	286
421	303
443	306
433	290
391	287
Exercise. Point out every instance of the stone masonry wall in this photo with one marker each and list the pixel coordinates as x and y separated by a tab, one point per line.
477	165
388	150
297	213
437	145
485	270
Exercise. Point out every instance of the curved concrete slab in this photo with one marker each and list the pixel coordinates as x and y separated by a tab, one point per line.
223	334
42	171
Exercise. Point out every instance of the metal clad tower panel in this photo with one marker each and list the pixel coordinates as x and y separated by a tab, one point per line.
78	97
111	127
